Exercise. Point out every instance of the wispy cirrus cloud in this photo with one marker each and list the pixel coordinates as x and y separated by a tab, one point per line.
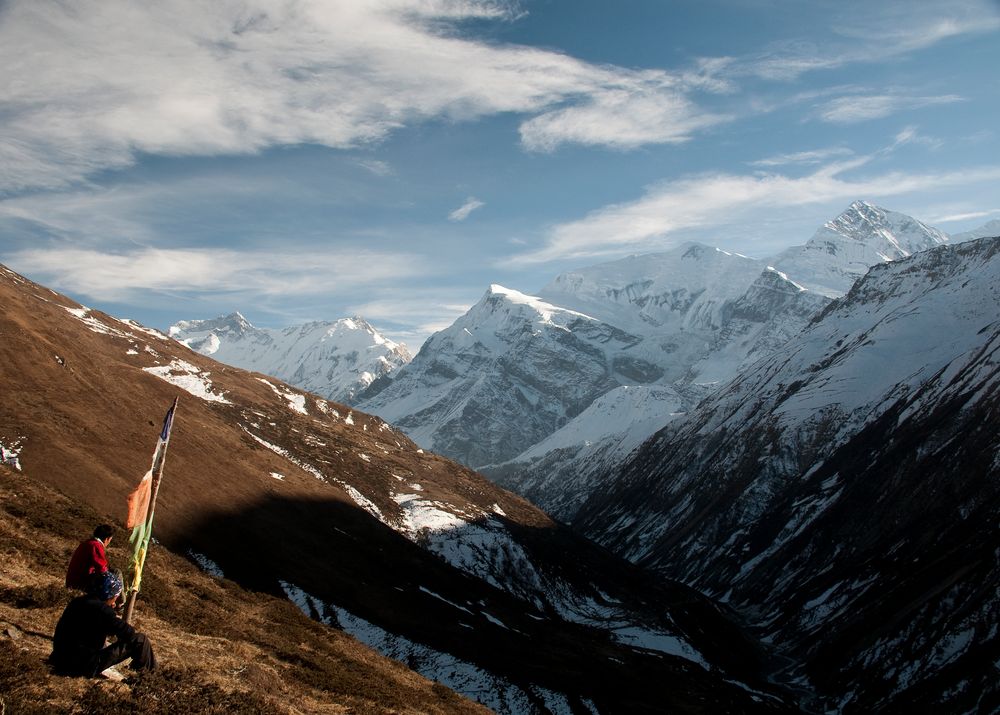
105	276
463	211
967	216
92	84
861	108
720	199
814	156
646	111
425	311
879	32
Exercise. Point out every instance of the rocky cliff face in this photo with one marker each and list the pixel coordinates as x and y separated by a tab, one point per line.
336	360
844	490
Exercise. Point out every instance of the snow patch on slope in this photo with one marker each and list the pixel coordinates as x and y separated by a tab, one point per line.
189	378
296	401
496	693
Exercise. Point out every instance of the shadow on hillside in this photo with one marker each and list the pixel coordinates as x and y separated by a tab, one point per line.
341	555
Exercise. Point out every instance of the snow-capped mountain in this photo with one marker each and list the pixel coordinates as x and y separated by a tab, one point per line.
845	490
678	293
845	248
336	360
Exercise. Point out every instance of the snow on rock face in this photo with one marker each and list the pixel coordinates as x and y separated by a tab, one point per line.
10	455
296	401
481	545
560	472
333	359
475	543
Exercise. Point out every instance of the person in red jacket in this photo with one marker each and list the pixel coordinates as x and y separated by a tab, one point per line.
89	558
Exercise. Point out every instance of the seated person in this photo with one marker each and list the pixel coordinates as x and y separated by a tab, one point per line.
89	558
79	644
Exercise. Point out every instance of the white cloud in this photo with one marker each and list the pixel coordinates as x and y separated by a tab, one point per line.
951	218
422	310
910	135
647	111
721	199
860	108
376	166
463	211
814	156
897	27
121	276
873	33
90	84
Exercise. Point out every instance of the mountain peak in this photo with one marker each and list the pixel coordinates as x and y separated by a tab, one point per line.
234	324
867	223
845	247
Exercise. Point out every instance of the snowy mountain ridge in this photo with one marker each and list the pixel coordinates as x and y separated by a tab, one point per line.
517	368
682	289
336	360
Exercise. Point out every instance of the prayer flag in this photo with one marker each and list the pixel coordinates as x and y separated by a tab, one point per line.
141	507
138	501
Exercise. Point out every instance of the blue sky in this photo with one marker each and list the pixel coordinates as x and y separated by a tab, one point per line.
312	159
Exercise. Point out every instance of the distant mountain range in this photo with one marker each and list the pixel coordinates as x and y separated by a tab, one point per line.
519	386
756	311
336	360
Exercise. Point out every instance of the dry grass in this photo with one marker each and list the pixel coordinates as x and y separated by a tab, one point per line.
221	649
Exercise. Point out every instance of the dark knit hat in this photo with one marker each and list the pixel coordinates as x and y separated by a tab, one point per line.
106	585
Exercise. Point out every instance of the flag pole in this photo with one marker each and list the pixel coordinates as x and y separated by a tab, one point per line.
142	532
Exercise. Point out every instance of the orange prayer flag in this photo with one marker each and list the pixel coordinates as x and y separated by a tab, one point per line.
138	501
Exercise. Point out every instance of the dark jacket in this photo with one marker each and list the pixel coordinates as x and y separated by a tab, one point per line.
79	640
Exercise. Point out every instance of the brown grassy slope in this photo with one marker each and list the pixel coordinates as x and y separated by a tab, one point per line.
221	648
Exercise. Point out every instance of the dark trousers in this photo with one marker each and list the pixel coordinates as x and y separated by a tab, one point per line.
139	650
